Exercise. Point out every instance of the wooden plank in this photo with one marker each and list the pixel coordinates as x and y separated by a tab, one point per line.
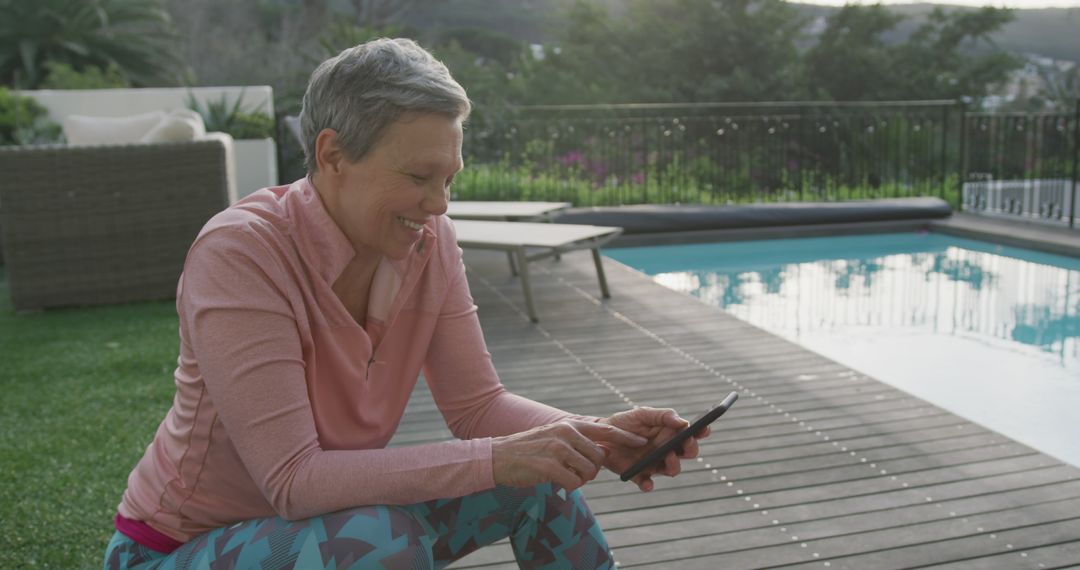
958	543
956	497
1065	554
799	460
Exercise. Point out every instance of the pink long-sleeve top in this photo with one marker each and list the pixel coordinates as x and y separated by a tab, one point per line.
284	404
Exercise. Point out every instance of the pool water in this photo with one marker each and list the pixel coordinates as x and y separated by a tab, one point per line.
989	332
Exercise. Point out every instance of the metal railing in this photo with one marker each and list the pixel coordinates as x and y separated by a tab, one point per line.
717	153
1017	164
1022	164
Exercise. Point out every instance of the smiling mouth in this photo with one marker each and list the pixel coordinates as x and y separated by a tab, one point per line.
410	224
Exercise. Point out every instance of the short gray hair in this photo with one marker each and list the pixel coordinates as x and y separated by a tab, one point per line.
364	89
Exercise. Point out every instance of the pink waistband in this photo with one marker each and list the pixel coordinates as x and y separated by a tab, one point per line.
145	535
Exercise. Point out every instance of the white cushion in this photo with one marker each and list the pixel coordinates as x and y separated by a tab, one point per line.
83	130
180	125
188	113
230	161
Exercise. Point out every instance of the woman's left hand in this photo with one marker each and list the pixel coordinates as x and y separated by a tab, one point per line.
658	426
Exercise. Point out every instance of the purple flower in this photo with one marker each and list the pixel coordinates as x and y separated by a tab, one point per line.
573	158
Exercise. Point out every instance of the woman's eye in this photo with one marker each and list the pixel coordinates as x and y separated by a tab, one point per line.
418	178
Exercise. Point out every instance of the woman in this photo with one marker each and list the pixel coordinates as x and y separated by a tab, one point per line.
306	314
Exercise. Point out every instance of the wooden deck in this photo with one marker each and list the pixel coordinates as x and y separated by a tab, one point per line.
816	466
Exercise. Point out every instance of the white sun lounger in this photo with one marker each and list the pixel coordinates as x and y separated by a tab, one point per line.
516	238
504	211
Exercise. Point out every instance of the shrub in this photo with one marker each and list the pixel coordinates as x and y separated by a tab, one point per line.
672	184
25	121
222	117
64	76
133	35
251	126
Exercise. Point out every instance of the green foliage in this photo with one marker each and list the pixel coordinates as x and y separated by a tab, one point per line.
342	35
670	184
671	51
667	51
132	35
24	121
219	116
586	65
938	61
64	76
484	44
486	77
851	61
700	50
935	62
251	126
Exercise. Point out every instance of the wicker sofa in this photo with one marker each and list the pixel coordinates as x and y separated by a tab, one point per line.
85	225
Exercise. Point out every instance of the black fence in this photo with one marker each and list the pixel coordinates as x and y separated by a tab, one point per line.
715	153
1023	165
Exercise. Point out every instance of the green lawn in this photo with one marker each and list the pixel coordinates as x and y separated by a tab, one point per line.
82	393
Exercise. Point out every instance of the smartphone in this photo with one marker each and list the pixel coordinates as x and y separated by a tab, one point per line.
674	443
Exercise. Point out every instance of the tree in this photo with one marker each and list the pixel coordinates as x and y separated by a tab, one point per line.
671	51
378	14
940	59
707	50
132	35
487	44
341	35
948	56
587	64
851	61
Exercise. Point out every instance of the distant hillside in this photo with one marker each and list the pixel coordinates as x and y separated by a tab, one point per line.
1052	32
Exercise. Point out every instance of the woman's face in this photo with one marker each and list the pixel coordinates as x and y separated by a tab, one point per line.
385	198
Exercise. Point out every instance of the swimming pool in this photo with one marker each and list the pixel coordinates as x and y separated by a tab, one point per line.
989	332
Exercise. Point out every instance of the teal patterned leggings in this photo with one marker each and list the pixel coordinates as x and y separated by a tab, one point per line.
548	528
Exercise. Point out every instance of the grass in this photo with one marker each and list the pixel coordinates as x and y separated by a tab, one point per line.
83	392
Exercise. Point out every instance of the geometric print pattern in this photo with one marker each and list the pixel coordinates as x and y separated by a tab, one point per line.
548	529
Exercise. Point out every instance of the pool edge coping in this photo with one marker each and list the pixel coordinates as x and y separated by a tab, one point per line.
1060	241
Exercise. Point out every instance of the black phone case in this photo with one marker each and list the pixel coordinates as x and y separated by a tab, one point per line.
695	426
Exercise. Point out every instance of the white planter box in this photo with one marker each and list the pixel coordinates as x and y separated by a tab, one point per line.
256	165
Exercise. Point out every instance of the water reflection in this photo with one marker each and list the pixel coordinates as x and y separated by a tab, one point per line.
956	291
989	333
1040	325
961	270
864	270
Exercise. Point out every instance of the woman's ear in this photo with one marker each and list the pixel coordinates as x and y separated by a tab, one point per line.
328	153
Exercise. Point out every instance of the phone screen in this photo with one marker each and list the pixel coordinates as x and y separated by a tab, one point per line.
695	426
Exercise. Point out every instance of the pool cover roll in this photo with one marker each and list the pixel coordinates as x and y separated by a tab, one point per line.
653	218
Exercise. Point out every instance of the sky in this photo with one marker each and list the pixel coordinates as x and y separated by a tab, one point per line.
997	3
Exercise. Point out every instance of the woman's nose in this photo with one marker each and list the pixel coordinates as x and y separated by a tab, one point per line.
436	201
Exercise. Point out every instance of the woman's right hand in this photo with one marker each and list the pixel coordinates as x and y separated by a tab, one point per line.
563	453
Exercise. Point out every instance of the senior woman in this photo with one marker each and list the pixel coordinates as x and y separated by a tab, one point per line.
306	314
